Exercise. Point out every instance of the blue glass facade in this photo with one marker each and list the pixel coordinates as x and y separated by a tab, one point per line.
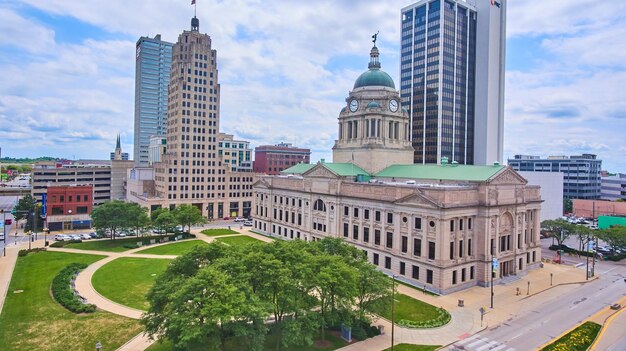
152	75
438	55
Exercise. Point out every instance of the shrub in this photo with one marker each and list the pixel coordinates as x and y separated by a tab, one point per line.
63	243
362	329
23	253
617	257
443	317
63	293
130	246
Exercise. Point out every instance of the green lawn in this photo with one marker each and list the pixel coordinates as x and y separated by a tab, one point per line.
410	312
116	245
127	280
578	339
218	232
238	240
333	342
32	320
177	248
410	347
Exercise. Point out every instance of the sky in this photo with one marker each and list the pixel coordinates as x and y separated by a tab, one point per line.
67	70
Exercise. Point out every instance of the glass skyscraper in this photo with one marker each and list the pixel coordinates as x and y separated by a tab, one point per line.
152	75
440	77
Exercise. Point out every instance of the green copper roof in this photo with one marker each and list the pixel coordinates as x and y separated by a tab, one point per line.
298	168
373	104
447	172
341	169
374	77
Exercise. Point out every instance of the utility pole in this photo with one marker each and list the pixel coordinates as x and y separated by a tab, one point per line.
393	302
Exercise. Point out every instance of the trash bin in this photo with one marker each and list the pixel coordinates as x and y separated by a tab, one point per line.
381	328
461	303
46	243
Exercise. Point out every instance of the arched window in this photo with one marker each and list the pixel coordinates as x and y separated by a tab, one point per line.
319	206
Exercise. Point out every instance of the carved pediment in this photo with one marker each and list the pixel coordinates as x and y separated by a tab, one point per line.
261	183
320	171
417	199
508	176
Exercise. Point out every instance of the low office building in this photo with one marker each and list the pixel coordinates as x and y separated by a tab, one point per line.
613	187
434	226
46	174
551	184
595	208
234	153
69	207
581	173
273	159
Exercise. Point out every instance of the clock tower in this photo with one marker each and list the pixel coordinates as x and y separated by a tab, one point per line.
373	128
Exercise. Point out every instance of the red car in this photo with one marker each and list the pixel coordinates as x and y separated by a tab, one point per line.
8	221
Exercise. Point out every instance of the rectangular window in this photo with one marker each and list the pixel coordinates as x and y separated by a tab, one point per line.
502	243
469	247
405	243
417	247
416	273
366	234
356	212
471	272
460	224
366	214
469	223
355	232
377	216
431	250
376	259
452	225
299	218
346	211
389	242
463	275
453	277
460	248
418	223
389	218
402	268
492	246
534	256
429	276
346	229
387	262
519	241
376	237
452	250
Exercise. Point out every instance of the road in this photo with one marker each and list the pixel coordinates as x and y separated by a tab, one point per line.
549	314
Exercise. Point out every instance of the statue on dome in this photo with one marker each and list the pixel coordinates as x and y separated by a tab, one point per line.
374	37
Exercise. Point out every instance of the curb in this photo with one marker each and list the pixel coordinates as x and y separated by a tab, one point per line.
561	284
606	323
454	342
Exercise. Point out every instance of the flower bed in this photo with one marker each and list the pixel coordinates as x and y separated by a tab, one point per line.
578	339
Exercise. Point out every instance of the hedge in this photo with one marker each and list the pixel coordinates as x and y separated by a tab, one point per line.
63	292
443	317
23	253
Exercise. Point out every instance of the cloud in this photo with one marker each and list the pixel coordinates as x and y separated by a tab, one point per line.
24	33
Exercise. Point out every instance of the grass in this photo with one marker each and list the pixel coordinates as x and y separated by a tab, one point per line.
413	313
218	232
333	342
177	248
416	288
127	280
238	240
32	320
578	339
410	347
109	245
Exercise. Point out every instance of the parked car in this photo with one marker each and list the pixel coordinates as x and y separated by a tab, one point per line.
120	235
76	237
238	219
85	236
226	218
158	231
61	237
8	221
247	223
93	235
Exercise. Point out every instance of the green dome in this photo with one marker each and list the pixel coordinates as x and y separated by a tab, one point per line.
374	77
373	104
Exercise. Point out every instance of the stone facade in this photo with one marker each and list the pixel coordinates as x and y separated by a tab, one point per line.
435	235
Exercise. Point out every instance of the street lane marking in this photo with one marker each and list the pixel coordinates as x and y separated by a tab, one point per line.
480	341
500	347
517	336
488	346
466	340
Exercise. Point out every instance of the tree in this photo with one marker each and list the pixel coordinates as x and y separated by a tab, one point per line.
558	229
165	221
26	209
138	219
568	206
111	216
583	234
372	287
615	237
188	215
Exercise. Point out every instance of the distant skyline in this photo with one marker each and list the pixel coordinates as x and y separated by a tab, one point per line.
286	68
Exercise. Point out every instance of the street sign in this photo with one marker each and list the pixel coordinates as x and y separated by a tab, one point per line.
494	264
591	246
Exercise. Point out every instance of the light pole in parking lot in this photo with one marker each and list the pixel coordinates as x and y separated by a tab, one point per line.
4	232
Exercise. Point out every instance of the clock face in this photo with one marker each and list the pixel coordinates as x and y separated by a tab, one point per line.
354	105
393	105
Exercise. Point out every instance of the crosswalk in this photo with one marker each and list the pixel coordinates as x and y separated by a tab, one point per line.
479	343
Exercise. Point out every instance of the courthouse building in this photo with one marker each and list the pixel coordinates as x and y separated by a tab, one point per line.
434	226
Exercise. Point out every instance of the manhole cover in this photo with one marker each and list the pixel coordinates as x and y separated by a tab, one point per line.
18	291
